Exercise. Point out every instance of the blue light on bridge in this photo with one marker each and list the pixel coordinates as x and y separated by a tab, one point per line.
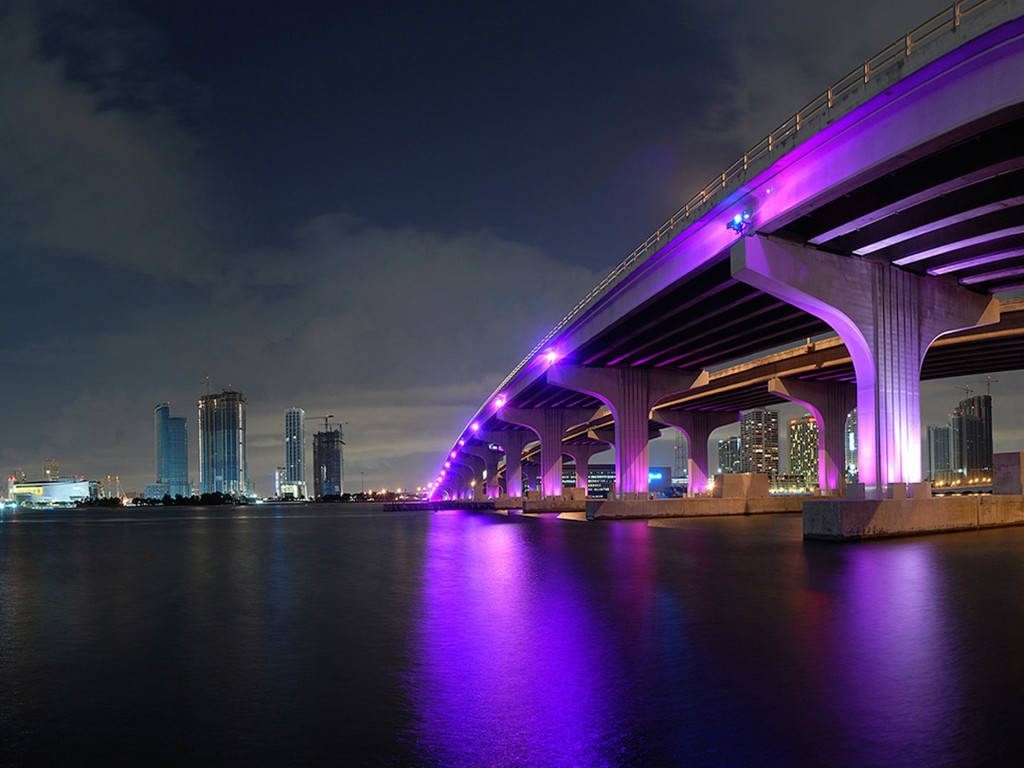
739	223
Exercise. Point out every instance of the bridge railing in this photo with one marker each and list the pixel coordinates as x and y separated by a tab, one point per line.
947	20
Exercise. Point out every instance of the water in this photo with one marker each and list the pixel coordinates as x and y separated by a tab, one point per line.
343	635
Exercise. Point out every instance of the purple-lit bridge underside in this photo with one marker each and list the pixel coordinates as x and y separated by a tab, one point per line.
890	223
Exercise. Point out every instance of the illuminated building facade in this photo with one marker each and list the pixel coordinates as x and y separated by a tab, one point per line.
680	459
803	449
54	492
729	460
759	441
850	447
295	446
601	476
971	435
222	456
939	457
170	452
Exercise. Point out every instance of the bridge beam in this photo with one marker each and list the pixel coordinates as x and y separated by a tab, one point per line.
697	426
581	455
490	460
887	318
630	394
830	402
549	424
511	442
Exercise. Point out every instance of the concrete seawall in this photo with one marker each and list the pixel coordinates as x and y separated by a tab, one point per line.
601	509
841	520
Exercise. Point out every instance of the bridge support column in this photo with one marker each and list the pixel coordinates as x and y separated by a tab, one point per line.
511	442
549	424
630	394
471	469
829	402
697	426
490	459
459	475
887	317
530	471
580	454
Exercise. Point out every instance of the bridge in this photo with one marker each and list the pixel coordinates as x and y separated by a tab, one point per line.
884	220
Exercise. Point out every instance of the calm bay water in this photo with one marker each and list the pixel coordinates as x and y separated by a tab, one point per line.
349	636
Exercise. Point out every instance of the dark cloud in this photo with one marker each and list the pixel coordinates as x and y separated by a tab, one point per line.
334	208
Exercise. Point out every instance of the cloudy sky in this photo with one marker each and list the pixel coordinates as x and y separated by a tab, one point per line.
371	210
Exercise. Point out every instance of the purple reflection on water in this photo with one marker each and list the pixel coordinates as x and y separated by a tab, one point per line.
509	663
897	684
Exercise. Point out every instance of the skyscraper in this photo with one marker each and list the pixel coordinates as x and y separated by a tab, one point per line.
940	451
971	434
170	453
759	441
51	470
680	459
729	462
222	457
803	449
328	463
294	446
851	447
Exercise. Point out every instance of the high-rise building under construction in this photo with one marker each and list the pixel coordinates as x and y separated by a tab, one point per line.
222	456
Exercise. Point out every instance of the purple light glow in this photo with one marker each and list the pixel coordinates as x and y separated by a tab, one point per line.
461	442
474	426
565	714
447	464
452	454
551	356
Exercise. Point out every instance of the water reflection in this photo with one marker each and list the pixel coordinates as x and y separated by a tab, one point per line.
510	663
896	641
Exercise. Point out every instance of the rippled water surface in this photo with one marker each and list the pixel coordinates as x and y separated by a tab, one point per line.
350	636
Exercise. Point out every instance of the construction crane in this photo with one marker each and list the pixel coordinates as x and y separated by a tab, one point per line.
327	420
989	381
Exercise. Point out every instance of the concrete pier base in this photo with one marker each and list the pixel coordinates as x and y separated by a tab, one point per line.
700	506
508	502
851	519
554	504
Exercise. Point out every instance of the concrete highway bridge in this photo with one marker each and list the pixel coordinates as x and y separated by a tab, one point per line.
884	220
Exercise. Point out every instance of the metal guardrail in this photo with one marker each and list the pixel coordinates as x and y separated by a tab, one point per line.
948	19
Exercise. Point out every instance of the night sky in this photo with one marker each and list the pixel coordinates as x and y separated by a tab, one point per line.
368	210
